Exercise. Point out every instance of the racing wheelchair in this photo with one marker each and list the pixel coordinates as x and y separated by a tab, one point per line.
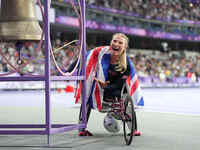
121	107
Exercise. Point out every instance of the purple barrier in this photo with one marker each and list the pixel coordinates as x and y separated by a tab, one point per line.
155	80
71	21
175	82
122	12
145	80
139	16
180	80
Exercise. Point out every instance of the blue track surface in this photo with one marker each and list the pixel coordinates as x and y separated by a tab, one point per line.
160	131
174	100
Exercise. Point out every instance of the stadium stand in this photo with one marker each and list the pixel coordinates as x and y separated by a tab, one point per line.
174	22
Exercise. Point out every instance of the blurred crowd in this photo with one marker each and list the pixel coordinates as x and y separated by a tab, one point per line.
164	66
32	57
155	9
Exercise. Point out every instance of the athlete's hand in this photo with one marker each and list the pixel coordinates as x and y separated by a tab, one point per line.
102	83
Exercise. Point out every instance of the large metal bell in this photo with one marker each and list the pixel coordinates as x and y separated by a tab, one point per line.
18	20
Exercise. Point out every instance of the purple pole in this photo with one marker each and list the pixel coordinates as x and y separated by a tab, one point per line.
47	69
83	61
49	128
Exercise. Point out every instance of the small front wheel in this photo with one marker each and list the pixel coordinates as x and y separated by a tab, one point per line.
129	119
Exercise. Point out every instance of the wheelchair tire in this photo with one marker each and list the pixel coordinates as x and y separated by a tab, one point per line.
129	122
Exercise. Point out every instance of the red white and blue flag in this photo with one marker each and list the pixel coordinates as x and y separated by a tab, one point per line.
97	64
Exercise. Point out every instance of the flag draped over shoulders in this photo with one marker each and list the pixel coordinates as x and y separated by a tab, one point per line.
134	89
97	64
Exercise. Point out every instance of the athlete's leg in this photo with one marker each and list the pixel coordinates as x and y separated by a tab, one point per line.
136	132
82	131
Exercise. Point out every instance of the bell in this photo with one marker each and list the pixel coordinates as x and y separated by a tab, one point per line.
18	20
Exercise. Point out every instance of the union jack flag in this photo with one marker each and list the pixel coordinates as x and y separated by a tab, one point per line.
97	64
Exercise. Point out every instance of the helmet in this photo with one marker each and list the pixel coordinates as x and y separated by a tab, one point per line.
111	124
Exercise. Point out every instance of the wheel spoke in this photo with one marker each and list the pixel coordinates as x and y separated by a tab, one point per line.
128	122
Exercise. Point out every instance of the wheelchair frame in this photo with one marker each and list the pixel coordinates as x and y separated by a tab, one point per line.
123	109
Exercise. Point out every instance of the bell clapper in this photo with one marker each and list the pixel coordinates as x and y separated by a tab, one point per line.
19	46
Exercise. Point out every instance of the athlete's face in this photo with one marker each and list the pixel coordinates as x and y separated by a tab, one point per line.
118	45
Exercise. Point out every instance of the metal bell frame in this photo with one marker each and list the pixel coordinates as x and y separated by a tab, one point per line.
47	78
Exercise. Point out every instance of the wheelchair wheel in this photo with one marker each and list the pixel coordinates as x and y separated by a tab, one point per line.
129	121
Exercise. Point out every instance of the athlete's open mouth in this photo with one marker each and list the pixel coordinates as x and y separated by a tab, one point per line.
115	49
